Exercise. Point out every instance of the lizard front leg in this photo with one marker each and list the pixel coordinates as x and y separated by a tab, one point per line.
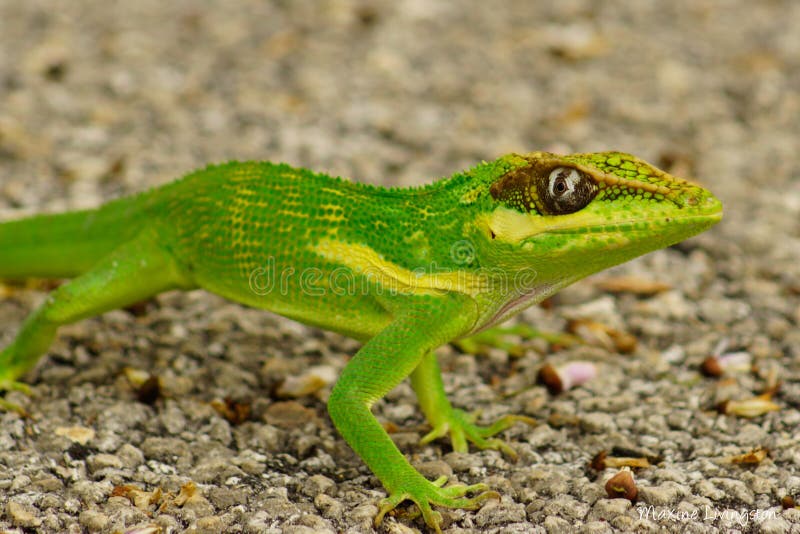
422	323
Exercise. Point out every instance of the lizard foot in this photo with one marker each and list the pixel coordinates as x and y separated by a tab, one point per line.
7	406
425	493
499	338
8	382
462	429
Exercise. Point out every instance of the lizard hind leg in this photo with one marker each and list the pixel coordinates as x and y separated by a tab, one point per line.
136	270
426	379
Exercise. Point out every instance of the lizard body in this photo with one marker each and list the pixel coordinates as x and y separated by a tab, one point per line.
401	270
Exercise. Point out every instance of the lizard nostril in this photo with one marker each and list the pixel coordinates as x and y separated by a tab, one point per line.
695	198
701	200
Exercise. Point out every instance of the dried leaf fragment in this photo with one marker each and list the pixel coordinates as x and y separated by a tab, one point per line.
233	411
752	407
143	500
560	420
601	335
77	434
756	456
602	461
136	377
632	284
188	491
311	381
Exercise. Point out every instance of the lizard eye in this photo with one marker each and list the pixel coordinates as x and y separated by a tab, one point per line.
567	190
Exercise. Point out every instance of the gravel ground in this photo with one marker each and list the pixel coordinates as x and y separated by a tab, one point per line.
99	99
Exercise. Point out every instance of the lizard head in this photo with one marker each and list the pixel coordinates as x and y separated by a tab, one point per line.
606	193
564	217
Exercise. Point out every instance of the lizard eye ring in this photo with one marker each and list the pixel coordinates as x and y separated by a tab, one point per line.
566	190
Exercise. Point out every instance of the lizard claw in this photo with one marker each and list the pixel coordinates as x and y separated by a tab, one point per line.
462	429
425	493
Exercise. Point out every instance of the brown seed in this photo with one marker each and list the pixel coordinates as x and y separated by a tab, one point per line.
711	367
549	377
622	486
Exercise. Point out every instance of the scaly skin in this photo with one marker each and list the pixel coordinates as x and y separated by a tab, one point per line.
402	270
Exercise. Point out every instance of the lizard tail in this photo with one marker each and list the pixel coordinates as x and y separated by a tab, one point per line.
67	244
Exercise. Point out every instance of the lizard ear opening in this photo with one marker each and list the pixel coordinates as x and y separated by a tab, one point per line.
545	189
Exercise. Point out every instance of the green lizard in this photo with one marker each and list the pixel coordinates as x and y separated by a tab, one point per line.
402	270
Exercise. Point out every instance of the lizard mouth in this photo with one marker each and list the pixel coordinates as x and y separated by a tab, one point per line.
637	225
512	226
693	213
